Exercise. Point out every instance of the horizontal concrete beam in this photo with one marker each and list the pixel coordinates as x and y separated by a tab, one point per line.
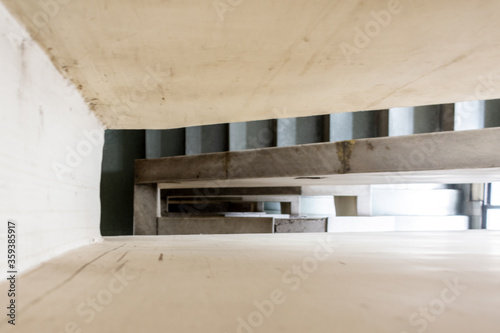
232	191
314	164
301	225
319	57
214	225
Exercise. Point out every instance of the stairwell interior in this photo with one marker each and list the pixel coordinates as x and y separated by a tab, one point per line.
374	207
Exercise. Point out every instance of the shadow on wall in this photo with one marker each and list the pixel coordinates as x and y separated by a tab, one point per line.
121	148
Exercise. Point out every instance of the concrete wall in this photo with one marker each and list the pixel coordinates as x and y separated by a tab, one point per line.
50	153
121	148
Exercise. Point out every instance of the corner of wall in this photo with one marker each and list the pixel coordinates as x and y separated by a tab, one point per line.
50	152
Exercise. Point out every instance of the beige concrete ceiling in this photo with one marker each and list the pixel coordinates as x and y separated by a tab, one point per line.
168	64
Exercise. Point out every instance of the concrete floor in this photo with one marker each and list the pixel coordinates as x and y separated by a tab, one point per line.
364	282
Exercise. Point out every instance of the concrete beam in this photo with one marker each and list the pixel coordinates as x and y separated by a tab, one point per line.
164	72
231	191
389	157
302	225
146	209
215	225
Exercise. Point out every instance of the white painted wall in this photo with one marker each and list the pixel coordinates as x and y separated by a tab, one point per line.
397	223
46	186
